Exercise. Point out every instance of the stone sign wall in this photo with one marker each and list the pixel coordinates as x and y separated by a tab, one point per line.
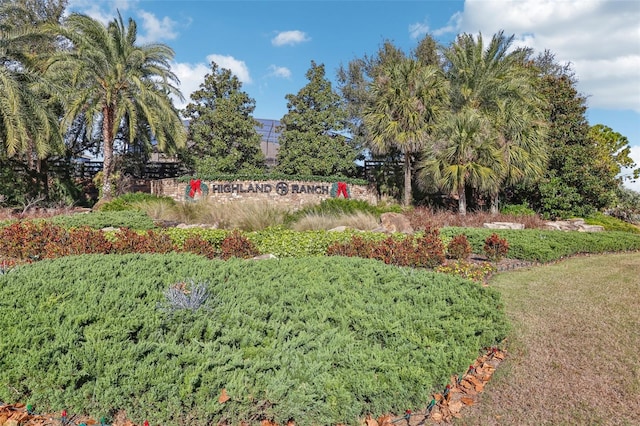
294	194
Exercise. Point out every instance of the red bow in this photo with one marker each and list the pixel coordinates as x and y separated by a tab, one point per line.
194	185
342	189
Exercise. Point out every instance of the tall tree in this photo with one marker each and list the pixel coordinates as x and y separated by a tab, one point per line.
311	142
465	155
575	183
111	81
222	129
28	124
496	82
355	81
613	152
408	99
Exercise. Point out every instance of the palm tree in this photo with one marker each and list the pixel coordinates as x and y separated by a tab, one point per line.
464	156
113	81
407	100
498	83
27	124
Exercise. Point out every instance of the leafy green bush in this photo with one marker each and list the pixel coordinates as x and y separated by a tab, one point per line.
518	210
105	219
545	246
130	200
317	340
611	223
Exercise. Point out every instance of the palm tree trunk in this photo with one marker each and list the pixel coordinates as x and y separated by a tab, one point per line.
107	140
462	201
495	199
407	199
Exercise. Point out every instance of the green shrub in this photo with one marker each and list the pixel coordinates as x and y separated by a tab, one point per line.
545	246
315	340
105	219
131	200
611	223
518	210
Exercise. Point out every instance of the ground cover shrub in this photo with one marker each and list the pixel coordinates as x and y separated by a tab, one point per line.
611	223
545	246
317	340
134	201
105	219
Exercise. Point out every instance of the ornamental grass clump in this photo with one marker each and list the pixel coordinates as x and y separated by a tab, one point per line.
187	295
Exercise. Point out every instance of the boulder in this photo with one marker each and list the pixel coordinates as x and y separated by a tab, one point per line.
503	225
395	222
572	225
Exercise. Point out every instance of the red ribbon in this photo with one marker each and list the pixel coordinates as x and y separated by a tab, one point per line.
194	185
342	189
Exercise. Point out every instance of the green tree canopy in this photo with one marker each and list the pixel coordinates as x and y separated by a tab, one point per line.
408	99
222	131
312	142
495	82
613	152
28	124
111	82
575	163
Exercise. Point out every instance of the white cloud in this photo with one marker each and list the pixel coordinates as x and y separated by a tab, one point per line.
156	29
153	28
418	29
103	11
289	38
599	37
237	67
635	155
191	76
276	71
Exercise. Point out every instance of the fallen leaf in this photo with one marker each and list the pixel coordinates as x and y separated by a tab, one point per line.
384	421
467	401
455	406
436	417
371	422
223	396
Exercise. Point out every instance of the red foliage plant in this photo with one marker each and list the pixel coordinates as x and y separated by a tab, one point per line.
495	248
459	248
237	245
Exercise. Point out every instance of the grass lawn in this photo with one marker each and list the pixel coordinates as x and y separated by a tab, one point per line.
574	347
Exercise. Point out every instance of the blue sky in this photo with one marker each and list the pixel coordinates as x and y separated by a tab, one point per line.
270	44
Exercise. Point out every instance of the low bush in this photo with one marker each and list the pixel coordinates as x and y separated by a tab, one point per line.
105	219
459	248
495	248
610	223
425	251
315	340
545	246
133	201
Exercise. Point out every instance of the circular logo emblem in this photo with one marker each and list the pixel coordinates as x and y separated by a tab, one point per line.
282	188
